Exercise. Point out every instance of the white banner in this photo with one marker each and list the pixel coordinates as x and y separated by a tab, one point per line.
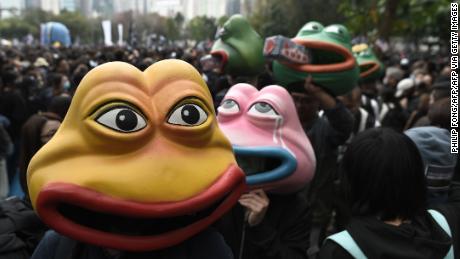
107	29
120	34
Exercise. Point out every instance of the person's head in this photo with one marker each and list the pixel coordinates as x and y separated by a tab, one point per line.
36	132
59	105
145	63
441	88
78	74
405	88
48	130
424	102
352	100
439	113
307	106
388	94
382	176
392	76
369	87
56	82
62	66
9	76
419	65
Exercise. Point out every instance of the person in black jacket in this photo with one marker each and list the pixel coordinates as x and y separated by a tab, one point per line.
267	226
206	245
20	229
326	131
278	226
384	183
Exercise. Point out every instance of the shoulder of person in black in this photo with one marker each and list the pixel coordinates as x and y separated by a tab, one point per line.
283	233
206	245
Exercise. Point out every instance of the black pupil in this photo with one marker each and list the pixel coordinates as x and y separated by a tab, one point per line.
315	27
126	120
190	114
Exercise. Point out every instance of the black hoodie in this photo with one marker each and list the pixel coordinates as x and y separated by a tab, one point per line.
422	238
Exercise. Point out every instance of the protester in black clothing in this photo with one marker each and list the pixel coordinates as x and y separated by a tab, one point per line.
268	226
20	229
205	245
393	115
270	222
362	118
36	132
12	106
384	183
326	133
369	98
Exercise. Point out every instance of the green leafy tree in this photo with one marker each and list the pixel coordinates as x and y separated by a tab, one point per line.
222	20
150	23
172	29
272	17
78	25
16	27
201	28
411	19
179	19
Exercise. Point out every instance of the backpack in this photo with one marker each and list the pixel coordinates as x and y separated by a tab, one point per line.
345	240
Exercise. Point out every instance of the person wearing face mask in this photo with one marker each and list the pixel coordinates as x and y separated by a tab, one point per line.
66	84
37	131
57	84
62	66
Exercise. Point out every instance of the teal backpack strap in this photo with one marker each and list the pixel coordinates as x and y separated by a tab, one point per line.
442	222
347	242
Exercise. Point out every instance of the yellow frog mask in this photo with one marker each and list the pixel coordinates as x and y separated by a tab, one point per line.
139	162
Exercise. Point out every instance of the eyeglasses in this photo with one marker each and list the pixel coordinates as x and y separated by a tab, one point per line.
47	136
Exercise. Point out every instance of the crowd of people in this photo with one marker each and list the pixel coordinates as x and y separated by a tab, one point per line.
382	151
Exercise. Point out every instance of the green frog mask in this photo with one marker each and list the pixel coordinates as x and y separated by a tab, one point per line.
333	65
370	67
239	48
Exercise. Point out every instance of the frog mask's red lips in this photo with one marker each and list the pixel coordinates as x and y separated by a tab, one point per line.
89	216
348	62
222	56
368	68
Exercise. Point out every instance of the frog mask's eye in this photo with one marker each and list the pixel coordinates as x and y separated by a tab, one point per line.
339	31
122	118
311	28
229	106
188	114
262	109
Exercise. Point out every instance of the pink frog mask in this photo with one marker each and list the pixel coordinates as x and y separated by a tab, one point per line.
268	140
